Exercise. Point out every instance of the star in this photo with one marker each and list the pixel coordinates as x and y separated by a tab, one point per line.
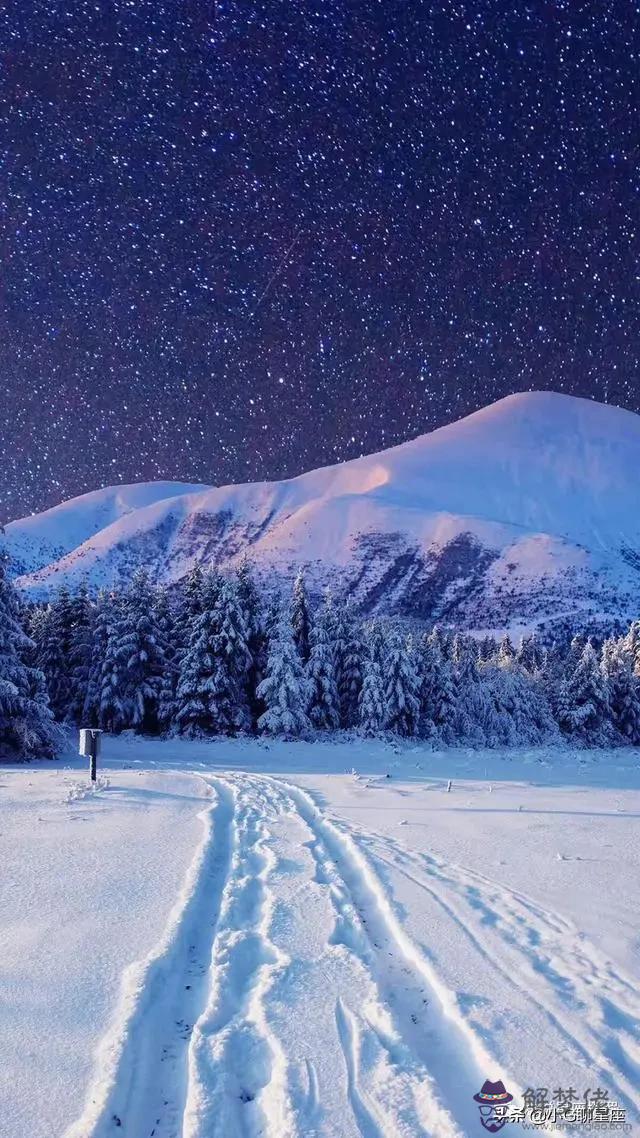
234	232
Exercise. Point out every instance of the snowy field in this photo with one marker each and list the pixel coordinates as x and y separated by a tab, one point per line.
240	939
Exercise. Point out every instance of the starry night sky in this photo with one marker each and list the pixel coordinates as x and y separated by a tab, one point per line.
242	239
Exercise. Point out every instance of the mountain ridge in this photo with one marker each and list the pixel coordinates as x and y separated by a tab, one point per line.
533	494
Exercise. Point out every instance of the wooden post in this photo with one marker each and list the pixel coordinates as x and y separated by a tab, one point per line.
90	747
93	756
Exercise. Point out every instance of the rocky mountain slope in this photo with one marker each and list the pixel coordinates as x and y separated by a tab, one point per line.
524	513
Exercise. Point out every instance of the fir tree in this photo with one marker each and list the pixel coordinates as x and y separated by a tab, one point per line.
165	620
371	700
80	652
518	714
402	686
587	700
339	633
470	704
272	617
461	649
249	600
443	694
195	713
251	606
193	593
232	663
572	659
562	705
529	655
631	645
54	655
350	677
284	688
190	605
623	689
34	622
141	657
506	652
112	708
90	714
324	701
551	681
27	729
487	649
429	664
300	619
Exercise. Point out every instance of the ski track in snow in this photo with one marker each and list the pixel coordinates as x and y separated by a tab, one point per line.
141	1067
288	1001
593	1005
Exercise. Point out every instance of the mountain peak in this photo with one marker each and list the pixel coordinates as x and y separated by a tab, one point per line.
522	498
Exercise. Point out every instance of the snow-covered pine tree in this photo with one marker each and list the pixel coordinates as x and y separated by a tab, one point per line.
487	649
90	714
470	707
249	601
252	612
212	583
631	645
461	649
190	603
323	706
300	618
27	729
623	689
506	652
401	685
232	663
338	630
573	655
165	620
49	659
371	701
112	706
610	652
587	700
273	612
561	705
529	653
34	623
517	712
80	650
141	657
193	600
443	639
195	712
350	676
429	661
54	656
40	630
284	688
550	680
443	693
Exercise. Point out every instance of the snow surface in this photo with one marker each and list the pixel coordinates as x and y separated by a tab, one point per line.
248	938
545	482
40	538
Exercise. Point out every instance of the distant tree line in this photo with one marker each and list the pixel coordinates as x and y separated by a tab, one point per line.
212	656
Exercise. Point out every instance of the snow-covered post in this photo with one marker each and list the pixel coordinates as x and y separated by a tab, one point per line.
89	747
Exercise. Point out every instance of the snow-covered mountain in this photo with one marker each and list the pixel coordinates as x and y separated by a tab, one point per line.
524	513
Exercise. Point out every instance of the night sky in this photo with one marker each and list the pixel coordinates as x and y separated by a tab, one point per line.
243	239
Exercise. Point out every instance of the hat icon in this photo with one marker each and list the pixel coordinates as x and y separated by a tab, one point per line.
493	1094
